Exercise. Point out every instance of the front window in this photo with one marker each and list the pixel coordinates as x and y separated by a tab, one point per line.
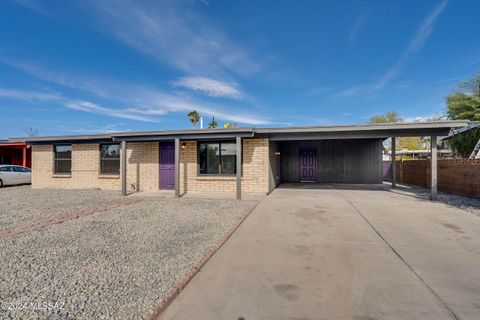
217	158
110	159
63	159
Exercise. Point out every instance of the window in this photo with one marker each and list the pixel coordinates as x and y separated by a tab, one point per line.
110	159
217	158
6	169
63	159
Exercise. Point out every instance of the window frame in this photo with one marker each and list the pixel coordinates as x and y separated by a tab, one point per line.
219	142
55	159
100	159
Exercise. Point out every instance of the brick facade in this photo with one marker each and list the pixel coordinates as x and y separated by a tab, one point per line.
255	170
143	169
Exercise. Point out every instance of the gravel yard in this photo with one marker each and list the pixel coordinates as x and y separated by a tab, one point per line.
118	263
22	204
469	204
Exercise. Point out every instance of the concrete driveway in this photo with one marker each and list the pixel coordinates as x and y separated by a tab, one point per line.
338	252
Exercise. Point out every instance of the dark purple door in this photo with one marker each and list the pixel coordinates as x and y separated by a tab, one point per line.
167	165
308	164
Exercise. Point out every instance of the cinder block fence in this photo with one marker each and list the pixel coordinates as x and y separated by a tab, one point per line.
456	176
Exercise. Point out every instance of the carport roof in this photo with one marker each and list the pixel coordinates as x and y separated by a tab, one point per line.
384	130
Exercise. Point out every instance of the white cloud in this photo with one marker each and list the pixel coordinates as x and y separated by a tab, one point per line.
90	107
156	103
351	91
49	75
356	28
28	95
171	33
32	5
424	118
85	106
210	87
417	42
137	101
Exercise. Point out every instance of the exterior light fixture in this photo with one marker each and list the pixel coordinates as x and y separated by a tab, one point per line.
277	153
184	145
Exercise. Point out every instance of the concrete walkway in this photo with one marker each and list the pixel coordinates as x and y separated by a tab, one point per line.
341	253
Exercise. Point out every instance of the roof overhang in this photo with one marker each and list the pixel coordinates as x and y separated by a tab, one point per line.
368	131
195	134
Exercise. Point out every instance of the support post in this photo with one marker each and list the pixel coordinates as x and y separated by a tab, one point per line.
239	168
177	168
124	167
394	163
433	170
24	156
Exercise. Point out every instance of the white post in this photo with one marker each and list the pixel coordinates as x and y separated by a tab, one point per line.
201	122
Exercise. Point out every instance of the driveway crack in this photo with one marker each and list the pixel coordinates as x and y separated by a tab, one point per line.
443	303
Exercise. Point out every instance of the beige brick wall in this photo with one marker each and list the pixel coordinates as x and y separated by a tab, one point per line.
143	169
255	170
142	166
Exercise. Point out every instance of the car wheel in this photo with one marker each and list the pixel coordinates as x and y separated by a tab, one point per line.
1	183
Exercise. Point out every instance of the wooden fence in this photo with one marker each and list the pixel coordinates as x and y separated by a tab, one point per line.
457	176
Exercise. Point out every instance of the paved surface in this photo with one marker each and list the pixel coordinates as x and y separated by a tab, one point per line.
359	253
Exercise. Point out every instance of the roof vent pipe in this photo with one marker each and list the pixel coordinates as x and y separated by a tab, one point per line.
201	122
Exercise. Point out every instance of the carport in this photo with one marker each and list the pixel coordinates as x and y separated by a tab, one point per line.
344	154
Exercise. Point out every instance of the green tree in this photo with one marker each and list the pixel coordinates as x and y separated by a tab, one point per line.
464	104
213	123
194	117
389	117
410	143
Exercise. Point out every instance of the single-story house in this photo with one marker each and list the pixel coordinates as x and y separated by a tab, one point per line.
15	152
231	160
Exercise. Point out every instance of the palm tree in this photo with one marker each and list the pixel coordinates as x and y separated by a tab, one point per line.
194	117
213	123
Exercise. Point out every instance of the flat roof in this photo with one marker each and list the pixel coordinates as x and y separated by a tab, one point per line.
383	130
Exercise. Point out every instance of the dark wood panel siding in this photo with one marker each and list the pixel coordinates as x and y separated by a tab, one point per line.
338	161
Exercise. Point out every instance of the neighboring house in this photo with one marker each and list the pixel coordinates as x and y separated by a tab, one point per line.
475	154
15	153
229	160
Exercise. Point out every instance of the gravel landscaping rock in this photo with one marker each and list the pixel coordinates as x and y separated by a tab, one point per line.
118	263
469	204
22	204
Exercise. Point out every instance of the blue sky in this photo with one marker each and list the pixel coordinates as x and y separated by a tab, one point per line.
75	67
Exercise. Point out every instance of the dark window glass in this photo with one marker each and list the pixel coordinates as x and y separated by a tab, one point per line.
109	158
6	169
18	169
228	158
217	158
63	159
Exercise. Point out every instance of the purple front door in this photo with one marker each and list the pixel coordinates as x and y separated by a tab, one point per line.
308	164
167	165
